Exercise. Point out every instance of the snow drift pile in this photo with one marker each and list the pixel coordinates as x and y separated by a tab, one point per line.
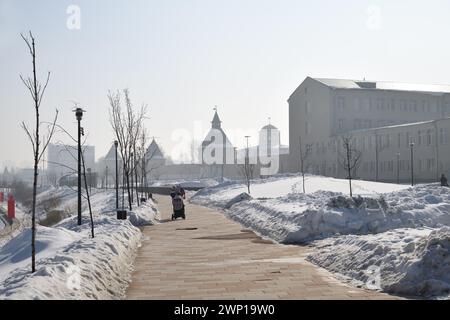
400	232
69	263
413	262
297	217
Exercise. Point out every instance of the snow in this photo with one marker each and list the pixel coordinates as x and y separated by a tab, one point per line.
411	262
398	234
284	214
283	185
69	263
16	253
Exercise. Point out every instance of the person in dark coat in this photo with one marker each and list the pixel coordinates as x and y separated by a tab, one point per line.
444	181
173	192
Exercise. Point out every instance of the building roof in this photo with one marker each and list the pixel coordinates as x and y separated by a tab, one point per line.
154	151
383	85
111	153
216	123
269	127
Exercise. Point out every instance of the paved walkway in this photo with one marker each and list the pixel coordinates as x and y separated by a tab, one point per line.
209	256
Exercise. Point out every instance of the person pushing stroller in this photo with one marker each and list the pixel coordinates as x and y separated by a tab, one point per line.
178	204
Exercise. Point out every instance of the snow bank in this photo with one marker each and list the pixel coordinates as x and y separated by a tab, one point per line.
412	262
297	217
70	265
283	185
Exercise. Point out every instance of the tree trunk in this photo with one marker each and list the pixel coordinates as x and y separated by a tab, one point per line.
349	170
303	176
36	164
33	218
136	177
127	176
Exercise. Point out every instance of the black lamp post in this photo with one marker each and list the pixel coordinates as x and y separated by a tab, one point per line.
116	143
79	116
411	145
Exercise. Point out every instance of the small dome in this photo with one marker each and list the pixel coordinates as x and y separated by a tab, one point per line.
269	127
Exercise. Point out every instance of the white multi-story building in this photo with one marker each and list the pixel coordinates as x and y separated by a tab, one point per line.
383	118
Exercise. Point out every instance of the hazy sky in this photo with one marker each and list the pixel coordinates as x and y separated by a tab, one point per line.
182	57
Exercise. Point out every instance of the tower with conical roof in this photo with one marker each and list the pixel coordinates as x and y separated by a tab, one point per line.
216	148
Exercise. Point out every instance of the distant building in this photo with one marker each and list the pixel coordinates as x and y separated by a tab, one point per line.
106	167
154	160
269	149
62	160
383	119
216	150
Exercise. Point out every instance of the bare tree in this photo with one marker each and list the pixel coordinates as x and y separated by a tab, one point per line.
126	124
305	152
37	90
350	158
246	170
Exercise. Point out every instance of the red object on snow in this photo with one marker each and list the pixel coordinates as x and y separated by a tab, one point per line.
1	196
11	207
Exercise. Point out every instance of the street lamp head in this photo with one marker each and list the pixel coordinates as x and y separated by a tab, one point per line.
79	113
116	143
411	144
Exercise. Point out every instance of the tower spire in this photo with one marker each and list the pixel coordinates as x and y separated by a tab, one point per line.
216	123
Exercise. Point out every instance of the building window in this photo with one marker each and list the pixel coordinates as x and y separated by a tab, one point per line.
429	138
430	164
419	137
400	138
392	105
442	136
341	124
307	107
340	103
307	128
379	104
408	139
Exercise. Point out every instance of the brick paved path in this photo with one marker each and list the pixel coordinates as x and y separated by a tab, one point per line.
209	256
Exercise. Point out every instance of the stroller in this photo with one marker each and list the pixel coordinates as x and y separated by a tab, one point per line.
178	207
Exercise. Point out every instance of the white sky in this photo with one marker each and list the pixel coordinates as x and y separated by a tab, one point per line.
182	57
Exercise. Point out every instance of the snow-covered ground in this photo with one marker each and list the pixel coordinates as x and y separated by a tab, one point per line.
411	262
279	186
398	229
69	263
279	210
